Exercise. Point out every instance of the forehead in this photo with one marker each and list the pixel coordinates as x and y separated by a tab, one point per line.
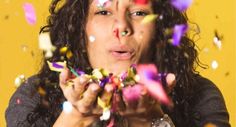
117	3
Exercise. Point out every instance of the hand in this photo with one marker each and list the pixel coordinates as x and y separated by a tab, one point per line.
145	106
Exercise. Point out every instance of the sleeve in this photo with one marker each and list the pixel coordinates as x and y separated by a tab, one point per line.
22	104
209	106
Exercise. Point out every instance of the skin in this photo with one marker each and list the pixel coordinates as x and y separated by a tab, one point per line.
106	26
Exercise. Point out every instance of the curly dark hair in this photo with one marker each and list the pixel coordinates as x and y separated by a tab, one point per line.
66	25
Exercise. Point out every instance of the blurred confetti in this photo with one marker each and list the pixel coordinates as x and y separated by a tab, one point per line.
210	125
24	48
179	31
18	101
214	64
142	2
92	38
67	107
181	5
29	13
149	18
19	80
217	40
46	45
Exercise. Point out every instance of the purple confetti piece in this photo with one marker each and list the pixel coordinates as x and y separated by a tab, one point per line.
29	13
179	31
181	5
54	64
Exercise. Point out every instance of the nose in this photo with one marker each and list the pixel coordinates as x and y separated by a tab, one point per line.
122	27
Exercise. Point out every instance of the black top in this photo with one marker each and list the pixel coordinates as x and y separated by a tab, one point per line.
206	105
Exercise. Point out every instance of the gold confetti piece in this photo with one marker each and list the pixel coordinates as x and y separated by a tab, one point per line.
69	54
19	80
63	50
210	125
57	66
101	103
41	91
46	45
149	18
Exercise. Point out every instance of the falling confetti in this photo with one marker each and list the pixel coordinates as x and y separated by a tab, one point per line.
67	107
217	40
57	66
181	5
179	31
147	74
46	45
92	38
19	80
149	18
214	64
103	3
29	13
142	2
18	101
24	48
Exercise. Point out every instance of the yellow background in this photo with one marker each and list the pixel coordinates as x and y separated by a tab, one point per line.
19	53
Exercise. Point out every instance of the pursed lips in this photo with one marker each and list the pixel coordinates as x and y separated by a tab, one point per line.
122	52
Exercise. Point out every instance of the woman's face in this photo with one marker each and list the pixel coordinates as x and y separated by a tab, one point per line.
116	36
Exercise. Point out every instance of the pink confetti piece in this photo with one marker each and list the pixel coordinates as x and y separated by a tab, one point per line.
147	75
132	93
29	13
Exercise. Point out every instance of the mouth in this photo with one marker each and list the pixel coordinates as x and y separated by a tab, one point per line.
122	54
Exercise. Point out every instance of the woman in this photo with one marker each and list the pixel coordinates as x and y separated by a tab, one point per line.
112	36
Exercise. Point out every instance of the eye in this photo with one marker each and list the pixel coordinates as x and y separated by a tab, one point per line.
139	13
103	12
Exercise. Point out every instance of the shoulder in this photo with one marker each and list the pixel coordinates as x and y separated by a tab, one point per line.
24	100
207	103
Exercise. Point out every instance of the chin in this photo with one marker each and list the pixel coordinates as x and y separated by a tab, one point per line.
117	69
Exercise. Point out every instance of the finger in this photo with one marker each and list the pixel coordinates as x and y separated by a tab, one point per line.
171	81
118	102
107	93
80	84
89	97
64	76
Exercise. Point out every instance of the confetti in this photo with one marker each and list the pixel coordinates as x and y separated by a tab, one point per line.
142	2
149	18
67	107
179	31
19	80
29	13
57	66
18	101
92	38
46	45
148	74
210	125
217	40
214	64
106	109
181	5
132	93
103	3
